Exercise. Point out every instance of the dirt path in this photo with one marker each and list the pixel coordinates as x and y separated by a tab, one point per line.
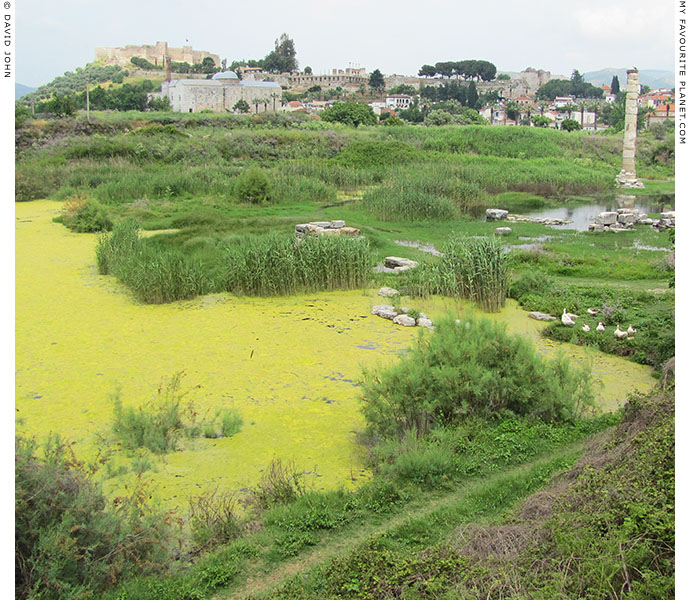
260	582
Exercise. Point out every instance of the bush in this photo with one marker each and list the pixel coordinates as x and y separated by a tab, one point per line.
69	542
471	368
85	216
280	484
361	154
213	519
531	282
253	186
158	425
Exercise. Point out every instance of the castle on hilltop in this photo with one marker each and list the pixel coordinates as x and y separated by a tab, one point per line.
154	54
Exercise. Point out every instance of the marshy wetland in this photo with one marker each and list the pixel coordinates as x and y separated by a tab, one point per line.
159	249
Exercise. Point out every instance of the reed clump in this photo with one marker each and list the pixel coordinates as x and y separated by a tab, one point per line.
472	268
278	264
402	204
262	265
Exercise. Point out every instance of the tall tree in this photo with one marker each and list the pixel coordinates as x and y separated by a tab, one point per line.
472	95
427	71
376	81
282	58
445	68
615	85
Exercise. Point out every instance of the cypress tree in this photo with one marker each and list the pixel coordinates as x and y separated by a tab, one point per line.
472	95
615	85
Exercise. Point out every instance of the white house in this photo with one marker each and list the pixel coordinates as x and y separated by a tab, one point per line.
398	101
559	101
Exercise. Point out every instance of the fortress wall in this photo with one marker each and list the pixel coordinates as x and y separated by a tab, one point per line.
154	54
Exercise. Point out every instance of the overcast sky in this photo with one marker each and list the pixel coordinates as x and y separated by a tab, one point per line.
395	37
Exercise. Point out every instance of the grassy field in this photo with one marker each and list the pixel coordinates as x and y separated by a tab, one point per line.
195	215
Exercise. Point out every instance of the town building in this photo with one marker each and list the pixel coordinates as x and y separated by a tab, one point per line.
221	94
398	101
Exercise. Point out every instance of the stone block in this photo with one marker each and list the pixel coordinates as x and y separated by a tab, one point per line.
337	224
607	218
495	214
540	316
405	321
503	231
627	218
385	311
387	292
596	227
394	262
424	322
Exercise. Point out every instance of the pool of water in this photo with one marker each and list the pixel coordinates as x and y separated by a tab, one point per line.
582	215
289	365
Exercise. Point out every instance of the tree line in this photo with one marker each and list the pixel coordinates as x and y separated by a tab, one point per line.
130	96
467	69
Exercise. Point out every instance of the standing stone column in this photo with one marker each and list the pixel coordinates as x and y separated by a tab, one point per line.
628	177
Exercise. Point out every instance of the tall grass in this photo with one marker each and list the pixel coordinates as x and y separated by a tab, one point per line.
278	264
401	204
472	268
268	265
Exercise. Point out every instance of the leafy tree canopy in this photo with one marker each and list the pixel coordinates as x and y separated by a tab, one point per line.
349	113
403	88
570	125
282	58
575	86
427	71
376	80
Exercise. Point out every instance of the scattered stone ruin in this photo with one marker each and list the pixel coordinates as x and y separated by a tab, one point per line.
624	219
317	228
498	214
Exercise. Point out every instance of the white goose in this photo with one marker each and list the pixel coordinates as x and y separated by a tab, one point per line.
600	327
567	319
619	333
585	327
631	331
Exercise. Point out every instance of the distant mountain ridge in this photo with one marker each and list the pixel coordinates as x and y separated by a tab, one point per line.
654	78
22	90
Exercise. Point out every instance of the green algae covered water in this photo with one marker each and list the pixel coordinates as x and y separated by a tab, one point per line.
288	365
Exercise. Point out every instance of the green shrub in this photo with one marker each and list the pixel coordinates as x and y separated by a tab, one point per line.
362	154
85	216
471	368
69	542
230	422
531	282
213	519
280	484
253	186
157	425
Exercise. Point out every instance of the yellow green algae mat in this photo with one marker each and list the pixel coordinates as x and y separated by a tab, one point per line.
288	365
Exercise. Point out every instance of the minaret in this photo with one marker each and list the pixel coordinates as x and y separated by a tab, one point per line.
628	177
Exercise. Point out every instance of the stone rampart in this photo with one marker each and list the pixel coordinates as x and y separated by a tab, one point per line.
154	54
